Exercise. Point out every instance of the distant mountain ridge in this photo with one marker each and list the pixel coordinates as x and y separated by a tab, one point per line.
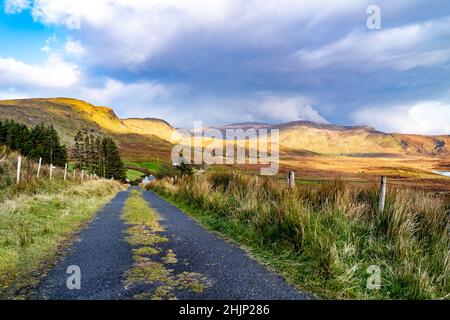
331	139
139	137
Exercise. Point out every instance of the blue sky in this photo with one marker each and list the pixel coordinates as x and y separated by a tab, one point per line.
227	61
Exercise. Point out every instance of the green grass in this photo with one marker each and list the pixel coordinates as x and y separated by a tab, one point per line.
132	175
152	166
40	220
323	238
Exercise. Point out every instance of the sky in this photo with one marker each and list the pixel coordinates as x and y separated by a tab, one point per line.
228	61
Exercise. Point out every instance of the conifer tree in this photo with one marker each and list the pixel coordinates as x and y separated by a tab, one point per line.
114	166
78	150
3	133
39	142
100	158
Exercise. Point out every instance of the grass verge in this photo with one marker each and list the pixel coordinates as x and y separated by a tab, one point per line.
37	221
326	239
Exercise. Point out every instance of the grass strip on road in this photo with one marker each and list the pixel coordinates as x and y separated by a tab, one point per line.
152	265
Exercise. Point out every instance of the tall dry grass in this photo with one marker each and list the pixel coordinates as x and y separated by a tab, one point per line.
39	216
29	183
323	238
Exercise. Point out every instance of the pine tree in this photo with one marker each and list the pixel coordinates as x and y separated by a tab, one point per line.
78	150
114	166
100	158
86	149
57	152
39	142
92	153
3	132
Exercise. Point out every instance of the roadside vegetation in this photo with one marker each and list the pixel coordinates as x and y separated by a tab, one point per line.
37	220
325	237
39	216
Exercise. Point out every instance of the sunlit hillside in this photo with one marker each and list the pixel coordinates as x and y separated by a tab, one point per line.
70	115
152	126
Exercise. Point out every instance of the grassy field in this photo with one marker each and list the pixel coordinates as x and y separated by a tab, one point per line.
37	221
136	169
152	166
133	174
323	238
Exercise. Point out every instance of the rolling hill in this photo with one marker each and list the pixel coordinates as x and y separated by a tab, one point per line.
141	139
138	140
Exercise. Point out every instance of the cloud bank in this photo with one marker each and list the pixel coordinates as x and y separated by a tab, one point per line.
243	60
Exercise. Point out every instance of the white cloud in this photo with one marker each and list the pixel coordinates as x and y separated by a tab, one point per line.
428	117
54	73
134	32
132	98
16	6
243	42
284	109
259	107
401	48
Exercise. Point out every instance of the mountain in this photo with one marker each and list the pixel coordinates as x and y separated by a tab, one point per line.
147	138
363	141
152	126
138	140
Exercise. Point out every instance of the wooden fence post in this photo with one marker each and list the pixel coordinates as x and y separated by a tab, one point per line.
65	172
39	168
382	200
51	171
291	179
82	175
19	165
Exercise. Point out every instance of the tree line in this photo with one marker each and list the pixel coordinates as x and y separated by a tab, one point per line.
37	142
97	154
93	153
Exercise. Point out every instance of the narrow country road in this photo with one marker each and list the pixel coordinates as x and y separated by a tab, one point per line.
104	257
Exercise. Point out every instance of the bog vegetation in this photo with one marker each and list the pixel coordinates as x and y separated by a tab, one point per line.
323	238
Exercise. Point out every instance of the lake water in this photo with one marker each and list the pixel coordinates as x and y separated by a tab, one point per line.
443	173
